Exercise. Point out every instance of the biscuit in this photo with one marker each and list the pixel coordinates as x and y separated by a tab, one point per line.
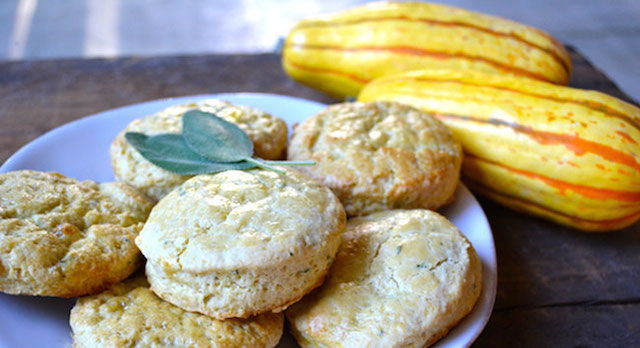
239	243
268	134
66	238
401	278
130	315
379	156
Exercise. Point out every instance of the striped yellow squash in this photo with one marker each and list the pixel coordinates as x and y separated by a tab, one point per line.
338	54
566	154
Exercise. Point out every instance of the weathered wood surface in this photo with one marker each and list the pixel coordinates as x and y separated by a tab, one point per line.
556	286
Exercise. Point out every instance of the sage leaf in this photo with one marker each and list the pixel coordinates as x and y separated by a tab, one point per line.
170	152
214	138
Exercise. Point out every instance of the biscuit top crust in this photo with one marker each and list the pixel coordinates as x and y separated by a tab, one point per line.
352	128
268	134
55	230
129	314
399	277
381	150
55	203
240	219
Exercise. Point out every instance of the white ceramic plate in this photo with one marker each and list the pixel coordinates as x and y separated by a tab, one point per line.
80	150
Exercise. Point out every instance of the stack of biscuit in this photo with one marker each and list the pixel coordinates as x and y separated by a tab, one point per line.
404	275
227	253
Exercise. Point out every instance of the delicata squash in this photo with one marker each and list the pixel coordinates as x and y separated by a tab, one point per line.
569	155
340	53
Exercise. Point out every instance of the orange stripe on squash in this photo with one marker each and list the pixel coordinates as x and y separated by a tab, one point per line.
627	137
593	105
327	71
562	186
602	225
572	143
562	61
413	51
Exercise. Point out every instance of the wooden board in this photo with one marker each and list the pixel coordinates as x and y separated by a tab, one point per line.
556	286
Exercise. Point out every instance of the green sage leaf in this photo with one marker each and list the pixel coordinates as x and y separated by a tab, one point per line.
170	152
214	138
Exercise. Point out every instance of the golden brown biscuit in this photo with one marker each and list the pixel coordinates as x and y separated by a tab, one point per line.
378	156
62	237
401	278
130	315
239	243
268	134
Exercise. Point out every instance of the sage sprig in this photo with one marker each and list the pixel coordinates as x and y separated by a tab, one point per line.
169	151
214	138
207	144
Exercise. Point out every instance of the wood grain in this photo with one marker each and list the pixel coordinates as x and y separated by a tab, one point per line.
556	286
590	325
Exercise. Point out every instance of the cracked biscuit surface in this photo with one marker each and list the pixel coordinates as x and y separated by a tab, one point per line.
401	278
239	243
63	237
268	134
379	156
129	315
